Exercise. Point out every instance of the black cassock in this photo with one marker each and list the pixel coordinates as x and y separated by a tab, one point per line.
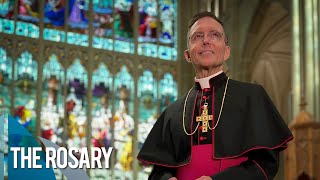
249	126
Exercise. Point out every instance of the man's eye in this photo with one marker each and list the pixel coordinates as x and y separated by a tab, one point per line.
215	34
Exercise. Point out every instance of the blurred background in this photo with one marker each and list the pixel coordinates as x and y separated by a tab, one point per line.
97	73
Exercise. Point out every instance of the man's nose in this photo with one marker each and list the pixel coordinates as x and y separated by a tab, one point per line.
206	39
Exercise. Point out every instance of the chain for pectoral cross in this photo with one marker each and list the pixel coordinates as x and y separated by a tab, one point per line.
205	117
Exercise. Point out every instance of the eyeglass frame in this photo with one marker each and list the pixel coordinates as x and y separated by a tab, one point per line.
210	35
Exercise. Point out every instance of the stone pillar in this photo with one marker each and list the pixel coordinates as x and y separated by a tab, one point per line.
305	69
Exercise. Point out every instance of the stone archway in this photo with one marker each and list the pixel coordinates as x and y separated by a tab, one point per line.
267	53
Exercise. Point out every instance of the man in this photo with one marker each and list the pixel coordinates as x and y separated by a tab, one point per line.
222	129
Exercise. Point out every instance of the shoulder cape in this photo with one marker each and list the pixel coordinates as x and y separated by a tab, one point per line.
249	121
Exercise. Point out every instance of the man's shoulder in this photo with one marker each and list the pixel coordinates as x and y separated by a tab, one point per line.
177	103
245	87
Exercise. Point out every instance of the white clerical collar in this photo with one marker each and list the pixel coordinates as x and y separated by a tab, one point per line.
204	82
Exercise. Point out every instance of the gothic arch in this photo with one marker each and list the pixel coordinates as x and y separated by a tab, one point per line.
267	53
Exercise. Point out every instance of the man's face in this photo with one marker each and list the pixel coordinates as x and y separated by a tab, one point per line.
206	42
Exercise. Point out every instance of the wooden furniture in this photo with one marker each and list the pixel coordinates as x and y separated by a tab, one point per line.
302	158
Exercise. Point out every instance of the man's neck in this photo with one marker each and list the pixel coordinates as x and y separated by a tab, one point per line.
207	72
205	82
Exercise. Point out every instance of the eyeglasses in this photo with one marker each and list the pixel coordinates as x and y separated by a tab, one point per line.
213	36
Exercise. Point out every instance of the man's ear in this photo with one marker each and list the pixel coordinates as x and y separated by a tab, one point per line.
187	56
227	53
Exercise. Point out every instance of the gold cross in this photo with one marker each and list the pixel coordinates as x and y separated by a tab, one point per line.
205	118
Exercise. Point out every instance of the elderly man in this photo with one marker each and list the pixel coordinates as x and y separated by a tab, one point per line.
222	129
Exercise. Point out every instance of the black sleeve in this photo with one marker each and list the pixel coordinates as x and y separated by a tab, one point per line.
161	173
261	164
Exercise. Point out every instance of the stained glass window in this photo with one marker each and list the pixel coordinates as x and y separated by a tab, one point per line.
103	24
77	81
148	23
123	26
78	20
6	16
52	112
28	14
26	69
148	112
157	17
101	114
168	26
5	81
54	21
63	97
168	91
123	123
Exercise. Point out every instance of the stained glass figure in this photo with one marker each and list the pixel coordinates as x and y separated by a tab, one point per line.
123	26
147	94
103	24
168	91
148	107
5	81
7	9
148	12
6	16
123	124
168	30
78	22
167	21
77	81
25	77
54	21
101	114
28	14
52	112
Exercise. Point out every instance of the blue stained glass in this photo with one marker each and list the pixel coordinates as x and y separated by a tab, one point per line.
168	21
52	101
148	21
167	53
123	20
77	79
26	72
101	114
78	39
27	29
125	47
54	13
102	75
28	13
6	26
5	81
103	20
123	124
102	43
78	22
148	49
103	24
54	21
26	67
53	68
147	93
29	10
7	9
78	14
77	71
54	35
168	90
125	81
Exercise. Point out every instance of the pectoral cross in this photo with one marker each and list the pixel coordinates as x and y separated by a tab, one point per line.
205	118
